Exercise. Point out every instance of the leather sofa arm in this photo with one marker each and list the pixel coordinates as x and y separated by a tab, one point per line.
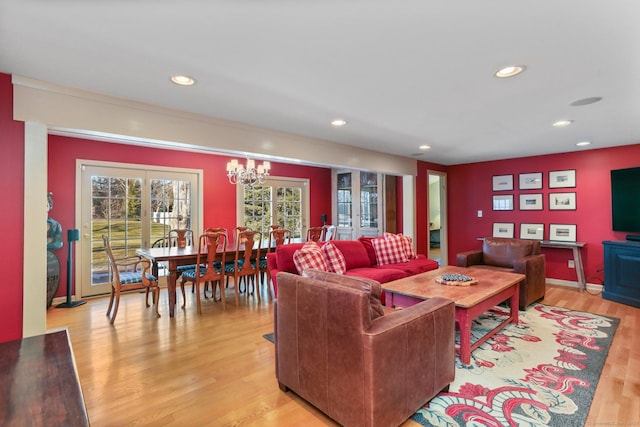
416	342
532	266
469	258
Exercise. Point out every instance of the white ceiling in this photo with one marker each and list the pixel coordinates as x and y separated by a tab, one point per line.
402	73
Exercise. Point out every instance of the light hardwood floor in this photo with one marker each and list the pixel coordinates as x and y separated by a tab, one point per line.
217	370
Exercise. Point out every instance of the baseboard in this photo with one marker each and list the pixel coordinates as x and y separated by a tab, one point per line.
572	284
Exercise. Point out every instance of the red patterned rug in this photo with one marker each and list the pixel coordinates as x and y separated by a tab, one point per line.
541	372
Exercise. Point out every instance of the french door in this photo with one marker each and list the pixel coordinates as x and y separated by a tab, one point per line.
134	207
279	201
358	204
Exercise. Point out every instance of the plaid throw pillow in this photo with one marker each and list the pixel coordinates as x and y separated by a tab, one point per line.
310	256
389	251
407	244
335	259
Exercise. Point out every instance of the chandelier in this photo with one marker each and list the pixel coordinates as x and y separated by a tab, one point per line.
249	175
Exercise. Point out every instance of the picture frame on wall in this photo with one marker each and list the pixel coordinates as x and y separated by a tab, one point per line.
530	181
562	179
531	202
532	231
562	201
502	182
562	232
503	229
503	202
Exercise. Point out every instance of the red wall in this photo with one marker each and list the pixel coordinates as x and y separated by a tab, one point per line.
219	196
11	215
470	190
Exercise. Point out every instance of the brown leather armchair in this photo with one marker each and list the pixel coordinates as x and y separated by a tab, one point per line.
512	255
337	349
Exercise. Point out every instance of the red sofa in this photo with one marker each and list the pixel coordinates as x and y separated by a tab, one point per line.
360	258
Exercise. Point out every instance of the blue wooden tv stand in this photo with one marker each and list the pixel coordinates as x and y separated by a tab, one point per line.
622	272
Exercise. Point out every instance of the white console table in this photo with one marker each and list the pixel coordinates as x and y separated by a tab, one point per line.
577	257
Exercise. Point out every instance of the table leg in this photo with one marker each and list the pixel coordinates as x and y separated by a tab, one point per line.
514	303
577	257
464	323
171	286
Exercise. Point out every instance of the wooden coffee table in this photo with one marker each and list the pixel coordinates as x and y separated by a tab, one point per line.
493	288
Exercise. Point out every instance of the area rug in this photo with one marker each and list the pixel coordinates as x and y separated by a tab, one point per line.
541	372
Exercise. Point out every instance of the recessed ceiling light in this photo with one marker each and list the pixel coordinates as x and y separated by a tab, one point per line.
510	71
583	143
338	122
562	123
425	147
183	80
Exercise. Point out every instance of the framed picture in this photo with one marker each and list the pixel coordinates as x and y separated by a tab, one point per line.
530	181
531	202
502	182
562	232
562	201
562	179
532	231
503	229
503	203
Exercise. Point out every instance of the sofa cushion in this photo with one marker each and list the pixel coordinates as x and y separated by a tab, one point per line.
284	257
335	260
379	274
309	257
389	251
414	266
408	246
354	253
366	242
371	287
502	252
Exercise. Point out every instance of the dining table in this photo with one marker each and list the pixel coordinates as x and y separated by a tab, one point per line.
177	256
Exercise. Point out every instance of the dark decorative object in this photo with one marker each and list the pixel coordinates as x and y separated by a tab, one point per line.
72	236
54	241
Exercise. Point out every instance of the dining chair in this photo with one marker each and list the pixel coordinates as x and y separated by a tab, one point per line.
277	237
207	268
224	231
128	274
180	238
315	234
244	265
176	238
330	232
238	230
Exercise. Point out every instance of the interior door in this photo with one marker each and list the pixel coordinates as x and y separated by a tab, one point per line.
437	192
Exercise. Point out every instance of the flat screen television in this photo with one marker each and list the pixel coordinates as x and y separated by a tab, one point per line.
625	199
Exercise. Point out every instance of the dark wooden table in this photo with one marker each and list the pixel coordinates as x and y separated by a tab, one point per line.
39	383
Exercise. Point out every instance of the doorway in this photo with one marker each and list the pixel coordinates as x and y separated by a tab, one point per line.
134	205
437	217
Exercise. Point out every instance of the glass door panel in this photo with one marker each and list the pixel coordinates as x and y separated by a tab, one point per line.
279	202
134	208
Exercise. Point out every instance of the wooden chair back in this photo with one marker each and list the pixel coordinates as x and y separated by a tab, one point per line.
277	237
315	234
245	244
181	238
208	264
